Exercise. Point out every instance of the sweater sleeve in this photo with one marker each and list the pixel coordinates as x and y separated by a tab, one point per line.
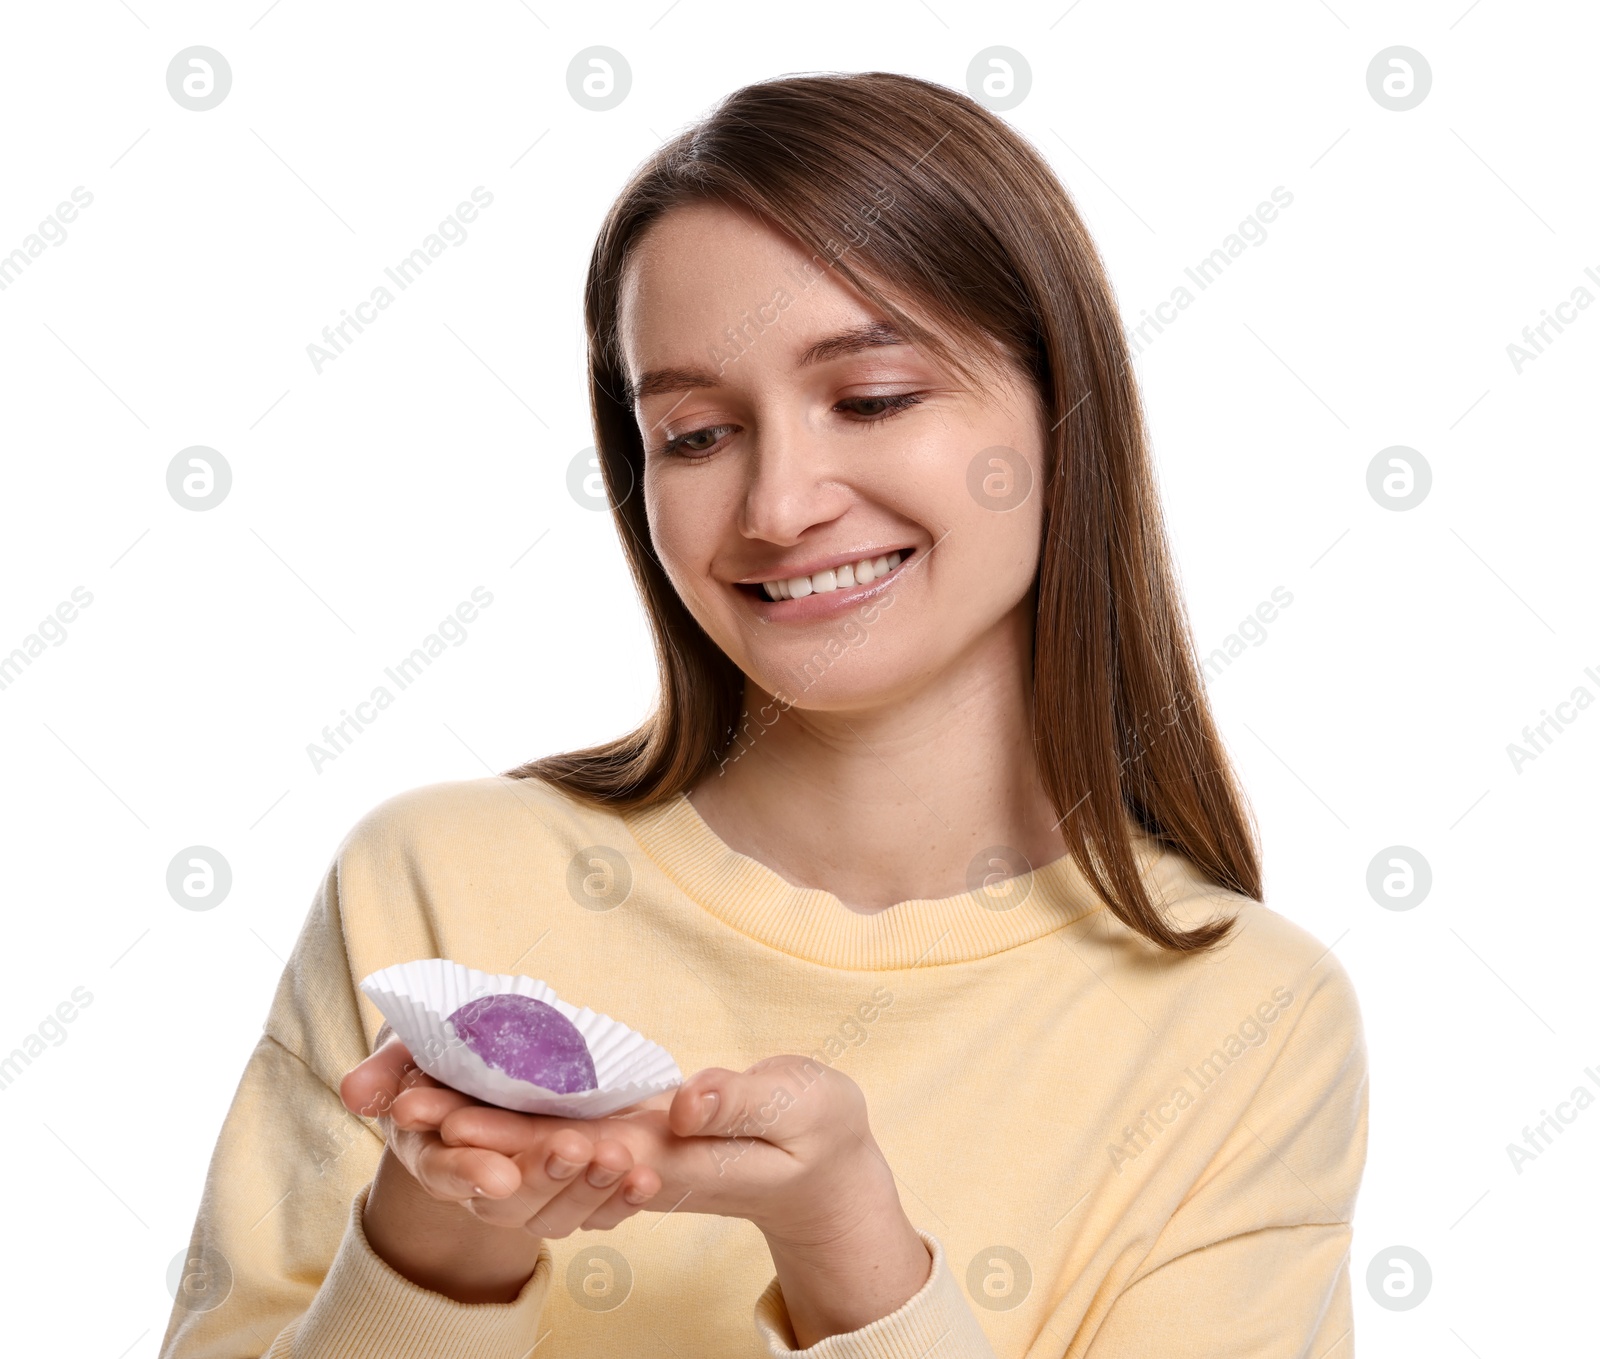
278	1263
1255	1263
936	1320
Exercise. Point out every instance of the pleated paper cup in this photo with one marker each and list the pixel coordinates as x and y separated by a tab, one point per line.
417	999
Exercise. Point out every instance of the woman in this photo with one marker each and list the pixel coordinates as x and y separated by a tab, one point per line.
929	866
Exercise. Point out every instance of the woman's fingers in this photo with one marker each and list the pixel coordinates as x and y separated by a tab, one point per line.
633	1193
717	1102
564	1184
576	1201
777	1100
425	1107
370	1088
521	1136
485	1125
583	1192
458	1173
556	1196
508	1169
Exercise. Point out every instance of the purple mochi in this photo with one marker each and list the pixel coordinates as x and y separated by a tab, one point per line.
529	1040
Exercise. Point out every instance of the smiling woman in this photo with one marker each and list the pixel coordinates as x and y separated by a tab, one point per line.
972	314
904	529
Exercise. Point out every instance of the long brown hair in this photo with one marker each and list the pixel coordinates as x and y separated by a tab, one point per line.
912	190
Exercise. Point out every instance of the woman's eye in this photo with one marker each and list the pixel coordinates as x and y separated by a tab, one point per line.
886	405
867	409
690	444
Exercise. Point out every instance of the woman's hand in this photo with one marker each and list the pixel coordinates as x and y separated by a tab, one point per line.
429	1208
784	1144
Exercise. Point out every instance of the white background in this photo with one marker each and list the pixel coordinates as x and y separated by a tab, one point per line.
431	457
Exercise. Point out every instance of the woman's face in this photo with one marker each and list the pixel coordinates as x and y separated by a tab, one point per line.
790	437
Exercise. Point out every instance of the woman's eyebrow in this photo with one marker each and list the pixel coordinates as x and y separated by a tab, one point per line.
871	335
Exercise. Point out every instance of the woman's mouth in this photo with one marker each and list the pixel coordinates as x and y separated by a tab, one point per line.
849	576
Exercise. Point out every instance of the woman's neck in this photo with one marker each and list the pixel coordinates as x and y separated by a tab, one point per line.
896	802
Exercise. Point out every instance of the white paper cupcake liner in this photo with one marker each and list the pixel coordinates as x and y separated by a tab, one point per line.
417	999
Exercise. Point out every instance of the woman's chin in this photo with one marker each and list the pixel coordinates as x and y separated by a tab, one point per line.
851	681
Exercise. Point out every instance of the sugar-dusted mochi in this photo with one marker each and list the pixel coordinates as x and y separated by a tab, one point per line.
527	1039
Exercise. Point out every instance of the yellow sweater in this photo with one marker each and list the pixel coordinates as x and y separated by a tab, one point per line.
1181	1137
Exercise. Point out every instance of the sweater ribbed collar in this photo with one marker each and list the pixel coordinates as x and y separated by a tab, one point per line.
815	925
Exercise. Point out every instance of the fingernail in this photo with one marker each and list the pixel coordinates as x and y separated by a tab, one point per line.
600	1176
635	1196
561	1170
708	1102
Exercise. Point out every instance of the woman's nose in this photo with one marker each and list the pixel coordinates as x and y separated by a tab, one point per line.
791	484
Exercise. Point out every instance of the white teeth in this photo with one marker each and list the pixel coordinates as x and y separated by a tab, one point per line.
841	578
